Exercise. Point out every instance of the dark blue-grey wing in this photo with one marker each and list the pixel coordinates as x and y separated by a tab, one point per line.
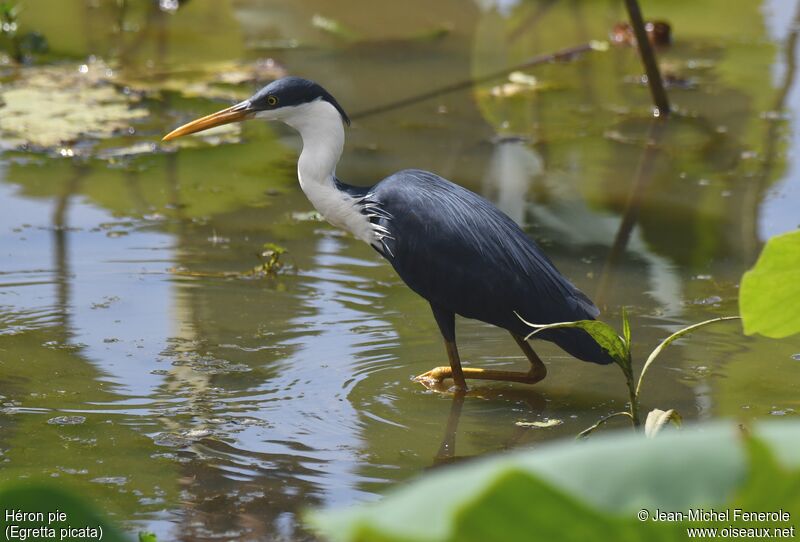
462	254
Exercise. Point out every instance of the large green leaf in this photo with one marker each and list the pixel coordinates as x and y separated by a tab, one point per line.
593	490
769	299
79	520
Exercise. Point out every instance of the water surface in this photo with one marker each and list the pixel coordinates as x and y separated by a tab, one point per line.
219	404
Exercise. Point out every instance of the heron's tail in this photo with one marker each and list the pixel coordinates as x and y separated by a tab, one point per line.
578	343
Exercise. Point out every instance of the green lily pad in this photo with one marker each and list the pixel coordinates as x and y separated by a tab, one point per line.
50	106
231	81
54	108
543	424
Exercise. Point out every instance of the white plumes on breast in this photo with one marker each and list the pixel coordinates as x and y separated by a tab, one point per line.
320	126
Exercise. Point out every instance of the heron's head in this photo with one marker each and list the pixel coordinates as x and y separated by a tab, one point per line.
293	100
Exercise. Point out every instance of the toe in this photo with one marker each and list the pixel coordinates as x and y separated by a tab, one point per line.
433	379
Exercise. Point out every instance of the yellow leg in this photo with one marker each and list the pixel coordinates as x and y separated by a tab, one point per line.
434	377
538	368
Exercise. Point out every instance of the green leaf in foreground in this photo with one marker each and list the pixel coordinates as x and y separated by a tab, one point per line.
80	521
569	491
769	298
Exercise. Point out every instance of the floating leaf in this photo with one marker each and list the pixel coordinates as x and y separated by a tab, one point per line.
342	32
657	419
212	81
333	27
769	299
547	422
142	147
50	106
67	420
307	216
522	78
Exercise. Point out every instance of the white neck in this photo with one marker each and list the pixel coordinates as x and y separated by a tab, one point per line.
320	126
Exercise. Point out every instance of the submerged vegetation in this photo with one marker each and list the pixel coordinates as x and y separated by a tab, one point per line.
70	108
619	348
271	264
770	302
49	107
21	46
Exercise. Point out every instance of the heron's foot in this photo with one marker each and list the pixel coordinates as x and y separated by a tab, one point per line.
434	378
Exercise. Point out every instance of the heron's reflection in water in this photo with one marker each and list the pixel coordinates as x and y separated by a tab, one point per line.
513	167
564	214
535	402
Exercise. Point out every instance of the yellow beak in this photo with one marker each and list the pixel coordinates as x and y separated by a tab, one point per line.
236	113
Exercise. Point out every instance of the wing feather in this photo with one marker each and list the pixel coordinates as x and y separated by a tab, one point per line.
460	252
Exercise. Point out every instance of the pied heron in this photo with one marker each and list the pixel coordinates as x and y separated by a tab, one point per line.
448	244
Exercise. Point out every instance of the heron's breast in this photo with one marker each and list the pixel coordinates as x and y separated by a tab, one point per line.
339	209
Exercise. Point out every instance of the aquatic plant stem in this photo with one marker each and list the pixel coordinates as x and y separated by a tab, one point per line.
589	430
669	340
632	394
648	56
563	54
641	179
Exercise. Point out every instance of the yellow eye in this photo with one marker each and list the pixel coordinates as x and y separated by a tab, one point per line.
272	100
